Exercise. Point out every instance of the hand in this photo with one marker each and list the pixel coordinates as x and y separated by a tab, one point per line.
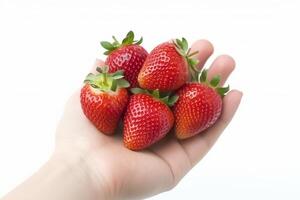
118	173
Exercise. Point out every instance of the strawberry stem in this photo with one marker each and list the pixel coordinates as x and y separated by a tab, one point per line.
105	81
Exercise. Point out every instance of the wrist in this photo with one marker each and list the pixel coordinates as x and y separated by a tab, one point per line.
61	178
77	165
77	169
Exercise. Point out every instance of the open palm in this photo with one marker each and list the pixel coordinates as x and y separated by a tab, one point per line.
128	174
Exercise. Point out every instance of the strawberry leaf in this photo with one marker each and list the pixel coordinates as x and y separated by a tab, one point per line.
129	38
182	47
193	62
138	91
106	53
156	94
164	94
173	100
89	78
122	83
222	90
193	69
116	77
179	43
119	72
165	99
203	76
139	42
184	44
114	85
215	81
107	45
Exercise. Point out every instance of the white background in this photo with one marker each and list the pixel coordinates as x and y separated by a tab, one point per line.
47	47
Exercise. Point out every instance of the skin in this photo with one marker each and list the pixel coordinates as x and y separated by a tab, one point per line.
89	165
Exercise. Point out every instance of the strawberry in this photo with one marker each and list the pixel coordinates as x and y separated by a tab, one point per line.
128	56
199	106
104	98
167	66
147	119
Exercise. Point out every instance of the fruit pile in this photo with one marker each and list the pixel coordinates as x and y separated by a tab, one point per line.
151	94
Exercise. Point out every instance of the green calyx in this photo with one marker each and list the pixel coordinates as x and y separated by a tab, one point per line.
183	49
105	81
128	40
213	83
165	98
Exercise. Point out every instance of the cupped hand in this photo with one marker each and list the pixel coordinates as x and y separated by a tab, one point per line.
116	172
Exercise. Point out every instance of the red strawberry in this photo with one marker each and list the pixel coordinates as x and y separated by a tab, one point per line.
167	66
128	56
147	119
198	107
104	98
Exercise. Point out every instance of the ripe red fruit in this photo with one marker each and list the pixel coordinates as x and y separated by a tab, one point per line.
128	56
103	99
198	107
147	119
167	66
